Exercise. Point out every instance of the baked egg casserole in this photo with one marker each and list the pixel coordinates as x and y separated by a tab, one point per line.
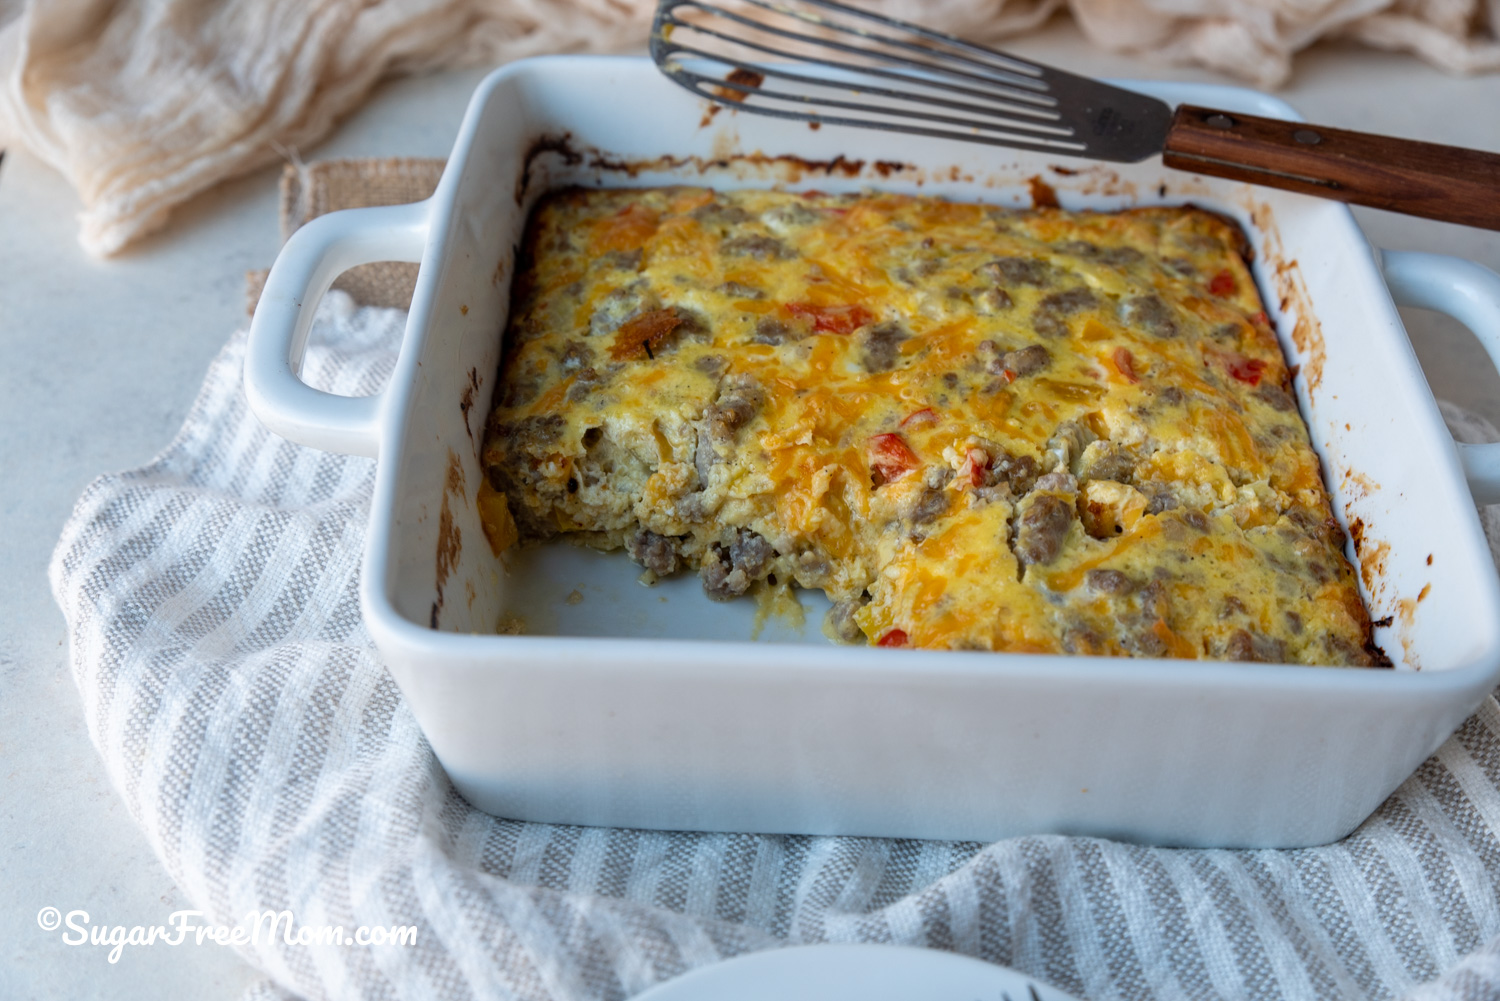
972	427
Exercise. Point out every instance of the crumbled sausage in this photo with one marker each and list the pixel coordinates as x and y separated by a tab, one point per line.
751	552
706	456
936	477
769	330
1072	300
1058	482
697	506
1026	361
1247	646
1195	518
721	581
811	569
839	620
788	216
1154	601
1016	271
1104	460
1171	395
1325	529
561	242
711	365
622	260
881	346
520	389
1143	642
924	268
1050	317
692	324
1151	314
1276	396
584	383
654	552
740	290
1108	582
740	398
1018	471
719	214
1341	651
728	572
1115	257
1120	257
578	355
931	505
529	433
1041	528
992	301
1160	500
1082	640
1067	443
761	248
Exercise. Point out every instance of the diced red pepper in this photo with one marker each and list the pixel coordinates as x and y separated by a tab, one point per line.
1245	369
832	319
894	637
923	416
1262	319
1008	375
1223	284
1125	364
976	464
891	457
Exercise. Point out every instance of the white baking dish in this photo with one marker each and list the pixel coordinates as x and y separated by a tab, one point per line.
653	707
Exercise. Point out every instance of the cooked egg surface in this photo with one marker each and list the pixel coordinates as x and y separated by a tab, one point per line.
973	427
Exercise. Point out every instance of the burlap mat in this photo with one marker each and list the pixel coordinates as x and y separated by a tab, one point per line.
311	190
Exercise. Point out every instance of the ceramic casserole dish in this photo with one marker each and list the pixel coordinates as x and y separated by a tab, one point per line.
623	705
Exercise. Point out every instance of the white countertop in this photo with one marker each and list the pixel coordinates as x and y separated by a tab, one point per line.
103	358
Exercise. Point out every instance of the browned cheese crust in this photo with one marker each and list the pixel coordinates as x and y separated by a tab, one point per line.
972	427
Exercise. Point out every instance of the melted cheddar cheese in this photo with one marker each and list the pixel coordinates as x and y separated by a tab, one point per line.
973	427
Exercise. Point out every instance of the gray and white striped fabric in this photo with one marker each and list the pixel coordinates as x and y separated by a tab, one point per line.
245	718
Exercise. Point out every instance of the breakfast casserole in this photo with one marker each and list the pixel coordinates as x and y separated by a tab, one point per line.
972	427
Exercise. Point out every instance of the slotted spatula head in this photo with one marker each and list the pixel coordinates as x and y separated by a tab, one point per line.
825	62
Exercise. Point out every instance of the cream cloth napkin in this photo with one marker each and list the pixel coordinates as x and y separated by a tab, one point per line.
143	105
233	693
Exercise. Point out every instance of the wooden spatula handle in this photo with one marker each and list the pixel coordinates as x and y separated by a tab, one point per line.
1415	178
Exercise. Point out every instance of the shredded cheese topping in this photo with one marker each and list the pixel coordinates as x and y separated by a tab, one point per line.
973	427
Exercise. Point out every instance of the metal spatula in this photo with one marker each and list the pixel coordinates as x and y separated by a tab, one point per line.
825	62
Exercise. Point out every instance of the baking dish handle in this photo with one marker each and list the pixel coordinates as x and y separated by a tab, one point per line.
1470	294
316	254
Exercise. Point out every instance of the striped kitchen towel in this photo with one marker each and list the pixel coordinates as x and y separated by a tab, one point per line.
245	718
